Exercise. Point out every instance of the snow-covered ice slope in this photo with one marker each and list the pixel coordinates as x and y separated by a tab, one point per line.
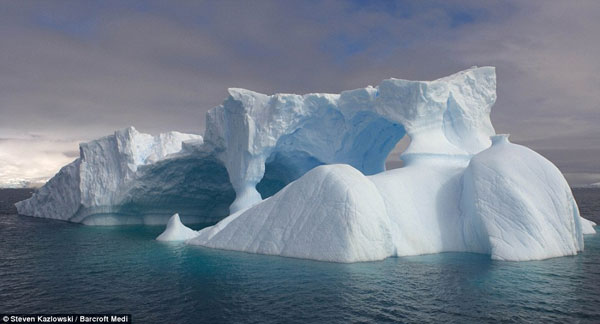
131	178
332	213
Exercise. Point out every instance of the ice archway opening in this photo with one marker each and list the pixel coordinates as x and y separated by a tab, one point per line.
267	141
366	145
394	159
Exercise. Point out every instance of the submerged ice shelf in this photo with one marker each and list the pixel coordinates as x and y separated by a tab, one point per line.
304	176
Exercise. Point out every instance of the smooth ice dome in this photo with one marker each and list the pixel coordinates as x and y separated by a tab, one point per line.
518	206
333	213
176	231
304	176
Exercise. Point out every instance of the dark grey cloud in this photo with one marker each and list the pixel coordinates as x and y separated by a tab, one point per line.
72	71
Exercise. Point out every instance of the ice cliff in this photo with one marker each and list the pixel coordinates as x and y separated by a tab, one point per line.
135	178
304	176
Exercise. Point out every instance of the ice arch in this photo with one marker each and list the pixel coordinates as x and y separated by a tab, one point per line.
366	148
293	133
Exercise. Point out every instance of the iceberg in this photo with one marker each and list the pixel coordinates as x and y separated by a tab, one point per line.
593	185
176	231
304	176
135	178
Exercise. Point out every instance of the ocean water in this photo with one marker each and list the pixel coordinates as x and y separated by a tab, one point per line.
58	267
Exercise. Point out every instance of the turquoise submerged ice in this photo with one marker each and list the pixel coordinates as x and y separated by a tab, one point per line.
308	177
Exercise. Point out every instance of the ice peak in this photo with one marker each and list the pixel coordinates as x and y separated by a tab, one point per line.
176	231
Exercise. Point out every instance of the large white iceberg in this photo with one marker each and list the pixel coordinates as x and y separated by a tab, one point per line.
309	180
438	202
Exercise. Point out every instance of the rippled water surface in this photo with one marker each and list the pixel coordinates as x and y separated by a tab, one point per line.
58	267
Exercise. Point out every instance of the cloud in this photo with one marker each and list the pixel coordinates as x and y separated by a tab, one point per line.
77	71
31	161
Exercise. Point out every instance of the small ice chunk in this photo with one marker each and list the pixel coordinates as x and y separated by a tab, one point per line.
587	226
176	231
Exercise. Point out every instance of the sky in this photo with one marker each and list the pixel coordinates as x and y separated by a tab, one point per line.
71	71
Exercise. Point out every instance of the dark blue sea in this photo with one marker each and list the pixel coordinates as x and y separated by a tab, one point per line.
51	266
